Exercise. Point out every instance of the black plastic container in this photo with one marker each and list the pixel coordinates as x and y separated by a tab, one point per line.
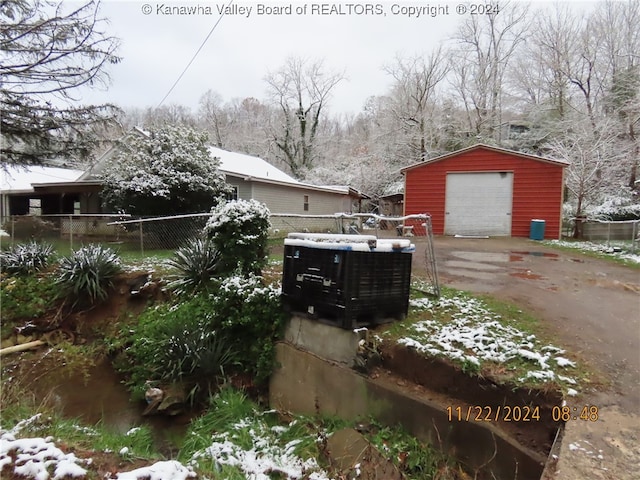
348	288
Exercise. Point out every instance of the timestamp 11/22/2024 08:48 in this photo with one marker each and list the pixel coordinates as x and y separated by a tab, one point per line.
507	413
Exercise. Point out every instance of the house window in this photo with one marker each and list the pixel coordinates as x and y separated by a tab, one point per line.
76	208
233	195
305	205
35	206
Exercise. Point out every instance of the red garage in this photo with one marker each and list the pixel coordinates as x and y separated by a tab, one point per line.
483	190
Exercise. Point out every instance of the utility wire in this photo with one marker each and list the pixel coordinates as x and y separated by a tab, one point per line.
195	54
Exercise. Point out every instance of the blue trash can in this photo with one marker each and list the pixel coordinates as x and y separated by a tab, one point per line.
537	229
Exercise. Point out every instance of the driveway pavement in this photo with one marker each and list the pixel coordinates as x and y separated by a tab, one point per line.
592	308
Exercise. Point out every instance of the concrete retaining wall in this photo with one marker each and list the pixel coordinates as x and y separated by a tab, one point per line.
305	383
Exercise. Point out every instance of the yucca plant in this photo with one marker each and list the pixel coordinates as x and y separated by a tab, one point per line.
199	353
87	274
26	258
197	263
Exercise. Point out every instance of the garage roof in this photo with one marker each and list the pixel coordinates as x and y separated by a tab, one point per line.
478	146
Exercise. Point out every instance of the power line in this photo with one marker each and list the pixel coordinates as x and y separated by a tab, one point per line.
195	55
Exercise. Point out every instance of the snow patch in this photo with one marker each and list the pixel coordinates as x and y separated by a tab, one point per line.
264	457
474	334
34	456
166	470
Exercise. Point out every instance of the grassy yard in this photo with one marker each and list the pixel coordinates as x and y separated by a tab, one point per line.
620	251
486	337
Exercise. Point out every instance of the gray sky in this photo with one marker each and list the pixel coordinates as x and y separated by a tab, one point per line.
156	46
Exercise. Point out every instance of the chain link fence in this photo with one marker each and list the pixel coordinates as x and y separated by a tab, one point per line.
623	234
171	232
161	235
65	231
358	223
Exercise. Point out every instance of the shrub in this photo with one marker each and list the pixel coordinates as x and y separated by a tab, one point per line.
26	258
197	263
26	297
230	331
88	273
175	344
251	314
29	226
617	208
239	229
166	171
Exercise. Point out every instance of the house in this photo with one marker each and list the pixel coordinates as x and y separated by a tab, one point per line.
31	190
487	191
254	178
391	202
62	191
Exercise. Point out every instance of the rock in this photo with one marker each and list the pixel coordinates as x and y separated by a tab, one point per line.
355	457
174	401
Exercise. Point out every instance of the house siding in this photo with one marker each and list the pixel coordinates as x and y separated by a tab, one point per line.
283	199
244	188
537	188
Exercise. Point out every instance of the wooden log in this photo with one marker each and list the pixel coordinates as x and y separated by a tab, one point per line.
22	347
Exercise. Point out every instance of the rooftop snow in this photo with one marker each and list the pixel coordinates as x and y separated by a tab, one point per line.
20	178
243	165
248	166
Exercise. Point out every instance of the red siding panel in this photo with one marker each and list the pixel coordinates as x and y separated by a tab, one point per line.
537	188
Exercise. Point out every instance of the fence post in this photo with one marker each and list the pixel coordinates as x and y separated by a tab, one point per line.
13	230
141	240
70	233
608	234
633	237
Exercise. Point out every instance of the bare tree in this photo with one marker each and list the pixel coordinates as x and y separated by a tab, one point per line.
213	117
485	45
595	161
48	53
414	91
301	90
248	126
617	23
539	76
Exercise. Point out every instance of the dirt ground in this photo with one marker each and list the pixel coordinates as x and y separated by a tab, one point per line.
592	308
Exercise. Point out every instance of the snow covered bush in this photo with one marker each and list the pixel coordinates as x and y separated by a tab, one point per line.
617	207
87	274
250	313
239	230
163	172
26	258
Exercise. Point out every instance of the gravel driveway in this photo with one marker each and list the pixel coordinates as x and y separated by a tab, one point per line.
592	308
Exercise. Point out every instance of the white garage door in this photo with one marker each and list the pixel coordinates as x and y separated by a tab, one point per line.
478	203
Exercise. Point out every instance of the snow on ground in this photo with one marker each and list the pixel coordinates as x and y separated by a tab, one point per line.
165	470
35	458
475	335
264	457
148	264
614	249
589	449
